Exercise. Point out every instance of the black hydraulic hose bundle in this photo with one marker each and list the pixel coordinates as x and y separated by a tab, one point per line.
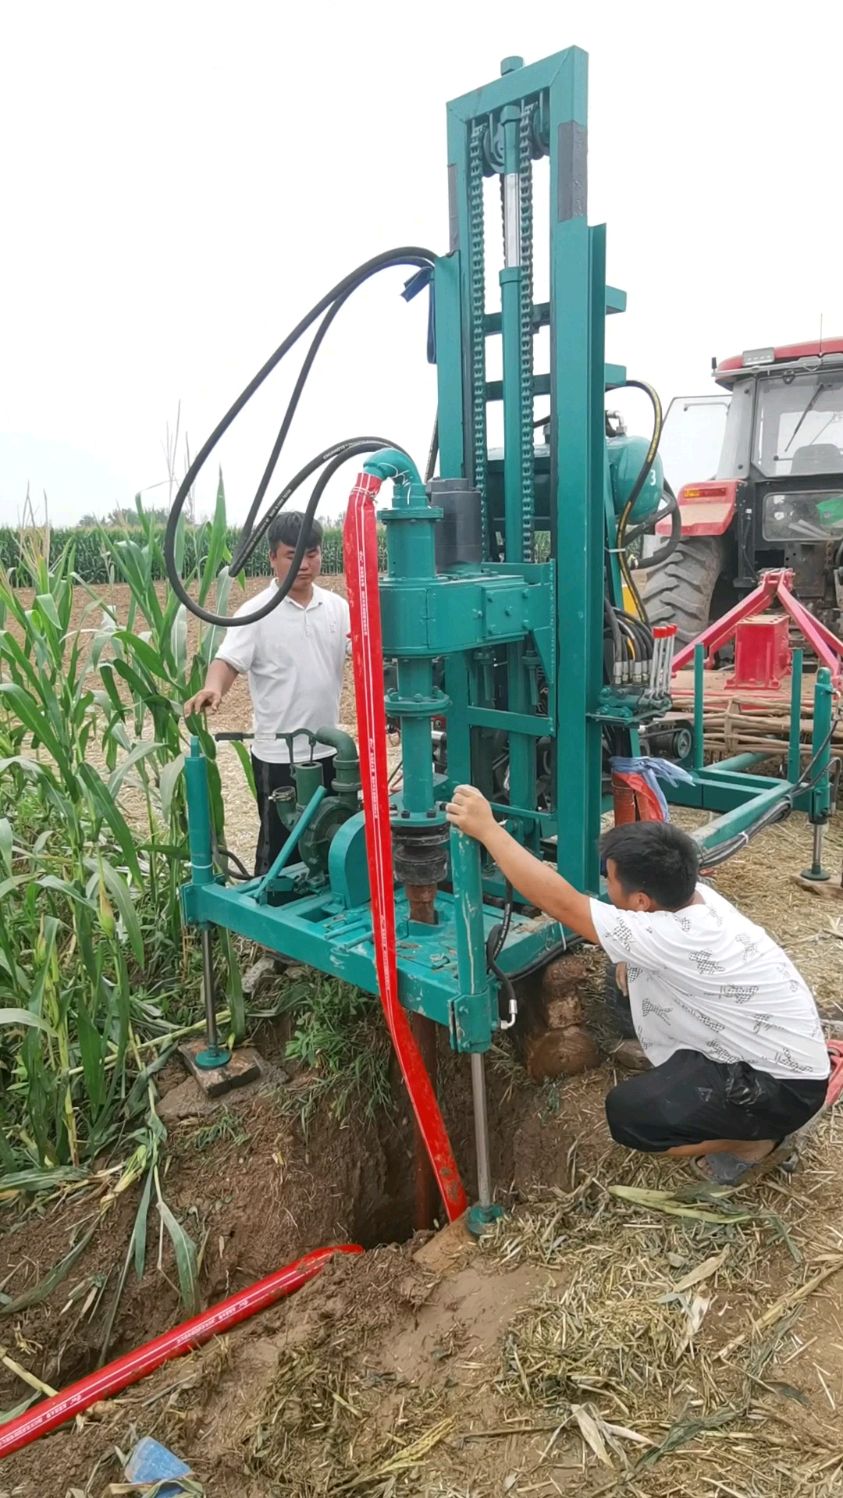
649	460
780	811
671	509
252	532
494	946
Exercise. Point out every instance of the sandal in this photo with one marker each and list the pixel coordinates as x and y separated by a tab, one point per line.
730	1170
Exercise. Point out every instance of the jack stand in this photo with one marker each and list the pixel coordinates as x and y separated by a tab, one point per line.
212	1065
816	873
485	1212
215	1055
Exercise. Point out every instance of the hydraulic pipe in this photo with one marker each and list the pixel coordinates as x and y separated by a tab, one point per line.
421	905
699	707
360	546
198	814
481	1131
136	1365
214	1055
794	737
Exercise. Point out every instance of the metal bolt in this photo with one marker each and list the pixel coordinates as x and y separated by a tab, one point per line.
431	812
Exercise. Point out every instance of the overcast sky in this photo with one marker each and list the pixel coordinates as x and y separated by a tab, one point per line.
181	180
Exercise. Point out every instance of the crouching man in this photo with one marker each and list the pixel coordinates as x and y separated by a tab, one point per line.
723	1016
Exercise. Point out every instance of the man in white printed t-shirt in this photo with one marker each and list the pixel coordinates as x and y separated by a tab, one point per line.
727	1022
293	661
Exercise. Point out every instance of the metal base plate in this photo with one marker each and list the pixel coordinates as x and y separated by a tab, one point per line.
244	1066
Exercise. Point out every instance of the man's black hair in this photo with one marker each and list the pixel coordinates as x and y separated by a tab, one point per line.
286	529
658	859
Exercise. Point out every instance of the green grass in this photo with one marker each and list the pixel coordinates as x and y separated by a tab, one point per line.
226	1127
340	1041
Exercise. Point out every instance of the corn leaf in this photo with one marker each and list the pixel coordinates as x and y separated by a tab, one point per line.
245	759
168	781
119	891
45	1287
36	722
185	1251
92	1051
140	751
23	1017
104	805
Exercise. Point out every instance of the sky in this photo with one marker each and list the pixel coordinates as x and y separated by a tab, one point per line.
182	180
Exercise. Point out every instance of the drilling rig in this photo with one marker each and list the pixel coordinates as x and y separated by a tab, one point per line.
511	667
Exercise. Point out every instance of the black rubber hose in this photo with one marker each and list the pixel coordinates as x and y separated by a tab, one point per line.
408	256
629	635
433	453
644	526
660	556
615	629
670	544
247	547
640	630
340	455
498	934
305	473
649	460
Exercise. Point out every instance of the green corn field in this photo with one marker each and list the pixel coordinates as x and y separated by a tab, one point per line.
97	982
94	563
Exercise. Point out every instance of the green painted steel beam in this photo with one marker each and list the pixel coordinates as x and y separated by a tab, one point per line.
315	931
614	375
507	722
563	73
740	818
615	302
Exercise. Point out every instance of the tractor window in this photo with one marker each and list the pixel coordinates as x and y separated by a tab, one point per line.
799	424
692	439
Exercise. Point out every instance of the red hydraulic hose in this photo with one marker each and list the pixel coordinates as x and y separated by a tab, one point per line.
360	549
180	1339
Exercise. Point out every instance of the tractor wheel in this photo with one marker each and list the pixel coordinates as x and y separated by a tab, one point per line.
681	590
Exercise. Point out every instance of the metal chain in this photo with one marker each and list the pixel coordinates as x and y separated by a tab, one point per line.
525	180
477	271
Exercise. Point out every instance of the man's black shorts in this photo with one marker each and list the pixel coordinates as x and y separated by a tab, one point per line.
690	1099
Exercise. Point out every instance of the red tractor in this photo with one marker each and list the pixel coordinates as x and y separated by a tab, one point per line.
771	450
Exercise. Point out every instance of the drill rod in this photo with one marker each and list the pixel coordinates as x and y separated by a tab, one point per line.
206	940
481	1129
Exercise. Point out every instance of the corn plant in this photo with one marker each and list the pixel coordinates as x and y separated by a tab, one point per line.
93	969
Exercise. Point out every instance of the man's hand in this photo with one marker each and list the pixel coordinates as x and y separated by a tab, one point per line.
221	676
621	978
471	813
207	700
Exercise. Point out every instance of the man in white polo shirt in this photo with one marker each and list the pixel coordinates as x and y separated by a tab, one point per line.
293	661
738	1058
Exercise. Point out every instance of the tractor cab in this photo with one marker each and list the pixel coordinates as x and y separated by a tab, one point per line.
757	468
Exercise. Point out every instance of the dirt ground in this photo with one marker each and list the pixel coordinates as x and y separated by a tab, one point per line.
396	1374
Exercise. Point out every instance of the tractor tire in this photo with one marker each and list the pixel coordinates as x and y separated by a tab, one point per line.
681	590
